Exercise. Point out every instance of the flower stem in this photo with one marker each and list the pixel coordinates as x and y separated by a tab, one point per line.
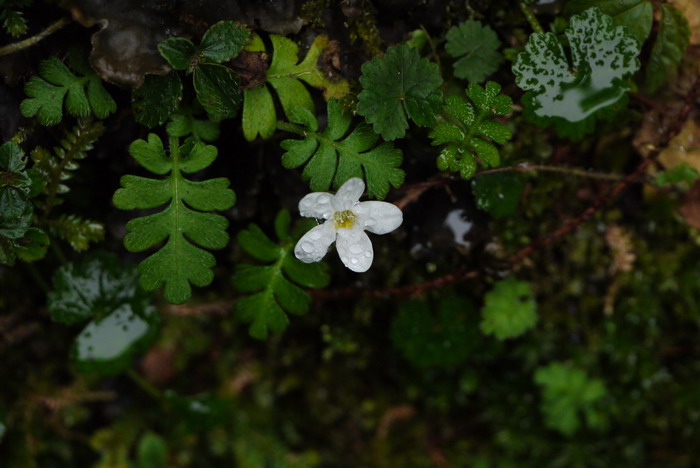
530	17
30	41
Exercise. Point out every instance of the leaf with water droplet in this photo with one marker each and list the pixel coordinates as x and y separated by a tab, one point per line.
572	95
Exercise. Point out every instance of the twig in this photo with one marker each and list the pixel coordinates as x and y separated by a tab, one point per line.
30	41
526	167
531	18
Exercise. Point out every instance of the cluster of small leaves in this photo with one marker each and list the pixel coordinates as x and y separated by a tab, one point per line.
338	154
50	174
509	309
122	323
57	86
277	286
285	76
440	337
571	96
13	21
17	236
637	16
683	173
476	48
217	87
568	392
397	87
468	130
184	224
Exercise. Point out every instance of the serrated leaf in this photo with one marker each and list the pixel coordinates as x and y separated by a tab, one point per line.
13	22
572	95
156	99
57	87
223	41
93	288
635	15
476	48
398	87
436	337
285	76
177	51
469	132
184	224
16	211
275	295
568	394
338	154
498	193
672	40
509	309
218	90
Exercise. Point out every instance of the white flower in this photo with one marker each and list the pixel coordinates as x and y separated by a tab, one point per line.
346	222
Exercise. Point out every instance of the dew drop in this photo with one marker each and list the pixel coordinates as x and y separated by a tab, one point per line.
307	247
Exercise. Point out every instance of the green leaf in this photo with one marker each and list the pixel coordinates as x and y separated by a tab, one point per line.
93	288
184	124
498	193
156	99
16	211
32	245
276	286
672	40
568	392
178	52
58	86
285	76
77	231
201	412
476	48
184	224
440	337
152	451
469	132
509	309
223	41
398	87
13	22
338	154
107	345
635	15
218	90
682	173
571	95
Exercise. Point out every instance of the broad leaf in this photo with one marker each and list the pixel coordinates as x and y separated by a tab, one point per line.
58	86
476	48
440	337
218	90
635	15
509	309
277	287
498	193
285	76
156	99
672	40
184	224
468	131
338	154
572	95
398	87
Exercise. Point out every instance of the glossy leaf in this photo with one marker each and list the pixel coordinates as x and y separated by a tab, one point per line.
438	337
16	211
184	224
218	90
468	131
635	15
57	86
398	87
672	40
572	95
498	193
569	394
285	75
223	41
509	309
476	48
156	99
339	153
32	246
277	287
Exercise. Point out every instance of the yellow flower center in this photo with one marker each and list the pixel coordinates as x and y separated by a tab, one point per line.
344	219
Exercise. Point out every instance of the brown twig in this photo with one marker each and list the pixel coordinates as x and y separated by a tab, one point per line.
17	46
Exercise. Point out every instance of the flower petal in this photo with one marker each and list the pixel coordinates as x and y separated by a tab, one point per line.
317	205
378	217
314	245
355	249
348	194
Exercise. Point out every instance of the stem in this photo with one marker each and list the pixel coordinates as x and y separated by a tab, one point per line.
530	17
564	170
290	127
144	384
30	41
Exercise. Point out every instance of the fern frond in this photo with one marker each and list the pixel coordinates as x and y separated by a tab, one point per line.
78	232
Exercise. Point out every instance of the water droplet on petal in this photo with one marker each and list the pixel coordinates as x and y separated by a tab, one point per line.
307	247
